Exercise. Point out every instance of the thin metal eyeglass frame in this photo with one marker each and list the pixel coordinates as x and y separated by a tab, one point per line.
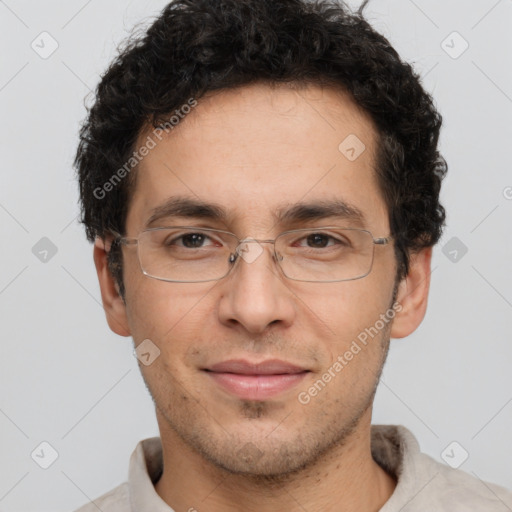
135	241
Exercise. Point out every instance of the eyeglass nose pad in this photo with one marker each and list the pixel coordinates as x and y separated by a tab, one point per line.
249	254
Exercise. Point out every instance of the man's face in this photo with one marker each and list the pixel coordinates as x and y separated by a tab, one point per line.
254	151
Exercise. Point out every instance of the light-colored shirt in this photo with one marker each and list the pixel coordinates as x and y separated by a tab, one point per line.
423	484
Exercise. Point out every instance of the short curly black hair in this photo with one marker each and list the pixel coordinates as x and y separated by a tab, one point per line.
198	46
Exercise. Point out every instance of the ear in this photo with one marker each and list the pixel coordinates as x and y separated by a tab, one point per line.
412	295
113	304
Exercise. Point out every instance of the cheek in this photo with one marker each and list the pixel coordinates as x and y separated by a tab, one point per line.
356	342
346	308
169	314
349	331
172	321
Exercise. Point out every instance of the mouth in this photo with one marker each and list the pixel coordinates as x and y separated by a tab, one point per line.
256	381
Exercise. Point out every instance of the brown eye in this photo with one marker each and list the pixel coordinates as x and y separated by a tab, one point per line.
189	241
193	240
318	240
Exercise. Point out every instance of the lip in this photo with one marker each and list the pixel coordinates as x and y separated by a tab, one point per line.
244	367
256	381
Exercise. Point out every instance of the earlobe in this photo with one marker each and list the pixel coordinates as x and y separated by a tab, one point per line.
113	304
412	295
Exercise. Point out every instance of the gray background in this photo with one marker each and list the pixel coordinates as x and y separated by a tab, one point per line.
67	380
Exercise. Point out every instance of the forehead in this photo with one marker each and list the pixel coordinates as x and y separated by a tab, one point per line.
257	150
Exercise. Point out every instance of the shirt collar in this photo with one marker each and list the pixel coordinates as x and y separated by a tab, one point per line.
146	465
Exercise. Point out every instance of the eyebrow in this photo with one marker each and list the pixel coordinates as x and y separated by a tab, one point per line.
300	212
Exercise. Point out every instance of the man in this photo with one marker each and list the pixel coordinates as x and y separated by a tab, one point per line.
261	179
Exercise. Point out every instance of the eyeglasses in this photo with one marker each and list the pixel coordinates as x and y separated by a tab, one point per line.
186	254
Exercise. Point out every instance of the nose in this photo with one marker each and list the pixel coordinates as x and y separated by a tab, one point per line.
254	294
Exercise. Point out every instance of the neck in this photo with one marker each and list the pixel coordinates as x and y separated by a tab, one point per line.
346	479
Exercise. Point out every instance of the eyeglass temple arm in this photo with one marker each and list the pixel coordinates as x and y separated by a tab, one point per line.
382	240
122	239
